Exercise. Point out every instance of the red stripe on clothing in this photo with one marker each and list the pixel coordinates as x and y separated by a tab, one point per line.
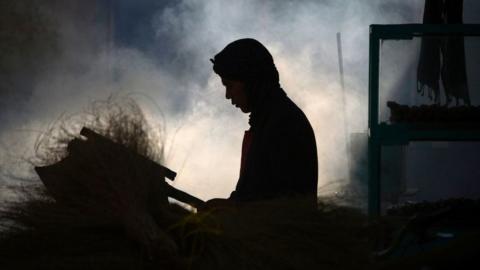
247	141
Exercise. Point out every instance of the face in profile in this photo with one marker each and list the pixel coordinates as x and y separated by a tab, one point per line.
235	91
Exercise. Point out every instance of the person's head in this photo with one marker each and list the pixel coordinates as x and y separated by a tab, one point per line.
243	65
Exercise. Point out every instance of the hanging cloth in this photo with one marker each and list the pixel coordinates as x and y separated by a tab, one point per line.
443	59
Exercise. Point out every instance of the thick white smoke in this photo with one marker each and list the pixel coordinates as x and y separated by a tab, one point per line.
301	36
179	91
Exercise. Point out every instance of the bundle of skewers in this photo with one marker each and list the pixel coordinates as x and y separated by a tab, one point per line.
433	114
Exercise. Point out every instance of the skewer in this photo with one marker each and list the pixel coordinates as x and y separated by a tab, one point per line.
342	83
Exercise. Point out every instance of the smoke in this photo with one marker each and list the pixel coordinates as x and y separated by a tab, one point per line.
167	69
301	35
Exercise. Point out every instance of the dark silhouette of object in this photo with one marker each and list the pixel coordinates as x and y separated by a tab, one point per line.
443	58
458	115
108	181
112	156
279	155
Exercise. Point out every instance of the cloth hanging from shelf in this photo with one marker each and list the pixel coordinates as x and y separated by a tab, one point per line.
442	59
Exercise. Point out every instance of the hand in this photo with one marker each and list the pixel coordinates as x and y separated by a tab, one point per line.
217	203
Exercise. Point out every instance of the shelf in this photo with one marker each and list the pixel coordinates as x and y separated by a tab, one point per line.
402	134
384	134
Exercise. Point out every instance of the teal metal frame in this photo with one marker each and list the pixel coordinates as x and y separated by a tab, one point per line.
382	134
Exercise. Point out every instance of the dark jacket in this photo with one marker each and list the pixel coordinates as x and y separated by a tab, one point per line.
282	158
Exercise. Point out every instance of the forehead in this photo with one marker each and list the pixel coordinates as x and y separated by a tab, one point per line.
226	81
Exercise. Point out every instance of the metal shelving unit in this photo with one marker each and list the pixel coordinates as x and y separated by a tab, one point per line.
384	134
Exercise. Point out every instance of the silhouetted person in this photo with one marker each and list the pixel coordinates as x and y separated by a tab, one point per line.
279	155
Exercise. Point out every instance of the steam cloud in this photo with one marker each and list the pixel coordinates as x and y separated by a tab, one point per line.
174	83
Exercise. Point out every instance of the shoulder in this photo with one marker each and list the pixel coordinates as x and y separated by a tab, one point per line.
285	112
